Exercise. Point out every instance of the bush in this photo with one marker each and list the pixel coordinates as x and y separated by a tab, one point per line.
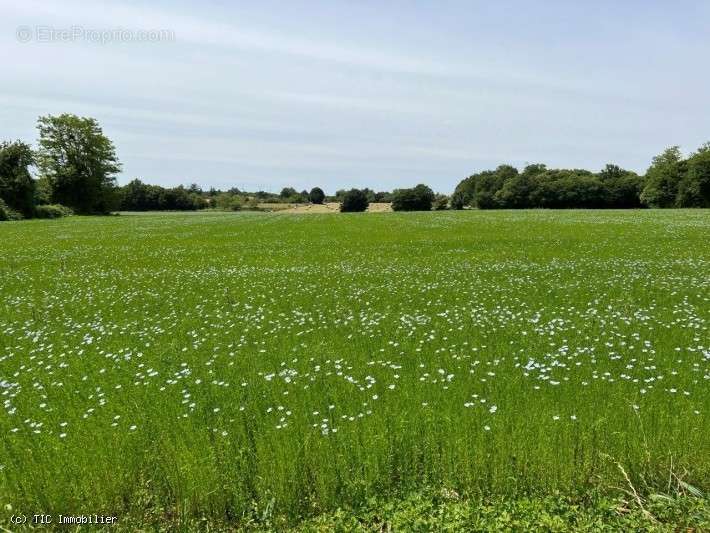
316	196
354	201
7	213
53	211
419	198
228	202
441	202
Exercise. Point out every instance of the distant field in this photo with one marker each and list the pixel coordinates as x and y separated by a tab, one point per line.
269	368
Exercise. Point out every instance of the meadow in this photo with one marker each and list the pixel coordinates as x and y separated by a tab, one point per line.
256	368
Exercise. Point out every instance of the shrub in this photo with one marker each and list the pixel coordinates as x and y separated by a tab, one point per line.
7	213
316	196
419	198
53	211
441	202
228	202
354	201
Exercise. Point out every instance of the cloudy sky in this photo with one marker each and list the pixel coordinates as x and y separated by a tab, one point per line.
261	95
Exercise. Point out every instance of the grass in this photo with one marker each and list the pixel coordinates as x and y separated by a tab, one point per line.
274	370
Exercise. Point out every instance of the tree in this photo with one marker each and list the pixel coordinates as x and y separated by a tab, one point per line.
464	193
516	190
43	191
694	188
17	188
623	187
567	189
441	202
515	193
663	177
316	196
288	192
419	198
489	183
228	202
136	197
79	161
353	201
479	190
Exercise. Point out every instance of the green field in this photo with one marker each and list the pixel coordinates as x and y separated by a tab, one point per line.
270	368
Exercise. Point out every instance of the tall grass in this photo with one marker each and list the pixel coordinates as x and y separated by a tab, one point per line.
231	366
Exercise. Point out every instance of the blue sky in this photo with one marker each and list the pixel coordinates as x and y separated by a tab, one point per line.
262	95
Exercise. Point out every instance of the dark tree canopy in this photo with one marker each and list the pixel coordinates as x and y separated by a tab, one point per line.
663	178
354	201
316	196
539	187
17	188
79	161
287	192
694	187
419	198
623	187
138	196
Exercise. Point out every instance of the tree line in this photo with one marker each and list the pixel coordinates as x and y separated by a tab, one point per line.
77	166
670	181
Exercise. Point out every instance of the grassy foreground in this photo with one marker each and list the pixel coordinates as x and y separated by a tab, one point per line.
269	369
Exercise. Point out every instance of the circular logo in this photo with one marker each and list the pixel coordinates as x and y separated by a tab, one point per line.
24	34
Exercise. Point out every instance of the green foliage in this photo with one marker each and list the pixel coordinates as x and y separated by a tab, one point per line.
316	196
623	187
613	187
79	161
464	193
419	198
382	197
138	196
516	191
447	511
43	191
288	192
562	189
354	201
7	213
694	188
228	202
441	202
17	188
52	211
663	177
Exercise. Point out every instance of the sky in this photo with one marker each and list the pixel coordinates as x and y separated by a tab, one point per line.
340	94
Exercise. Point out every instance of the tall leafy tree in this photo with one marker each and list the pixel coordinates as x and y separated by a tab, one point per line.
663	177
694	188
17	188
79	161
